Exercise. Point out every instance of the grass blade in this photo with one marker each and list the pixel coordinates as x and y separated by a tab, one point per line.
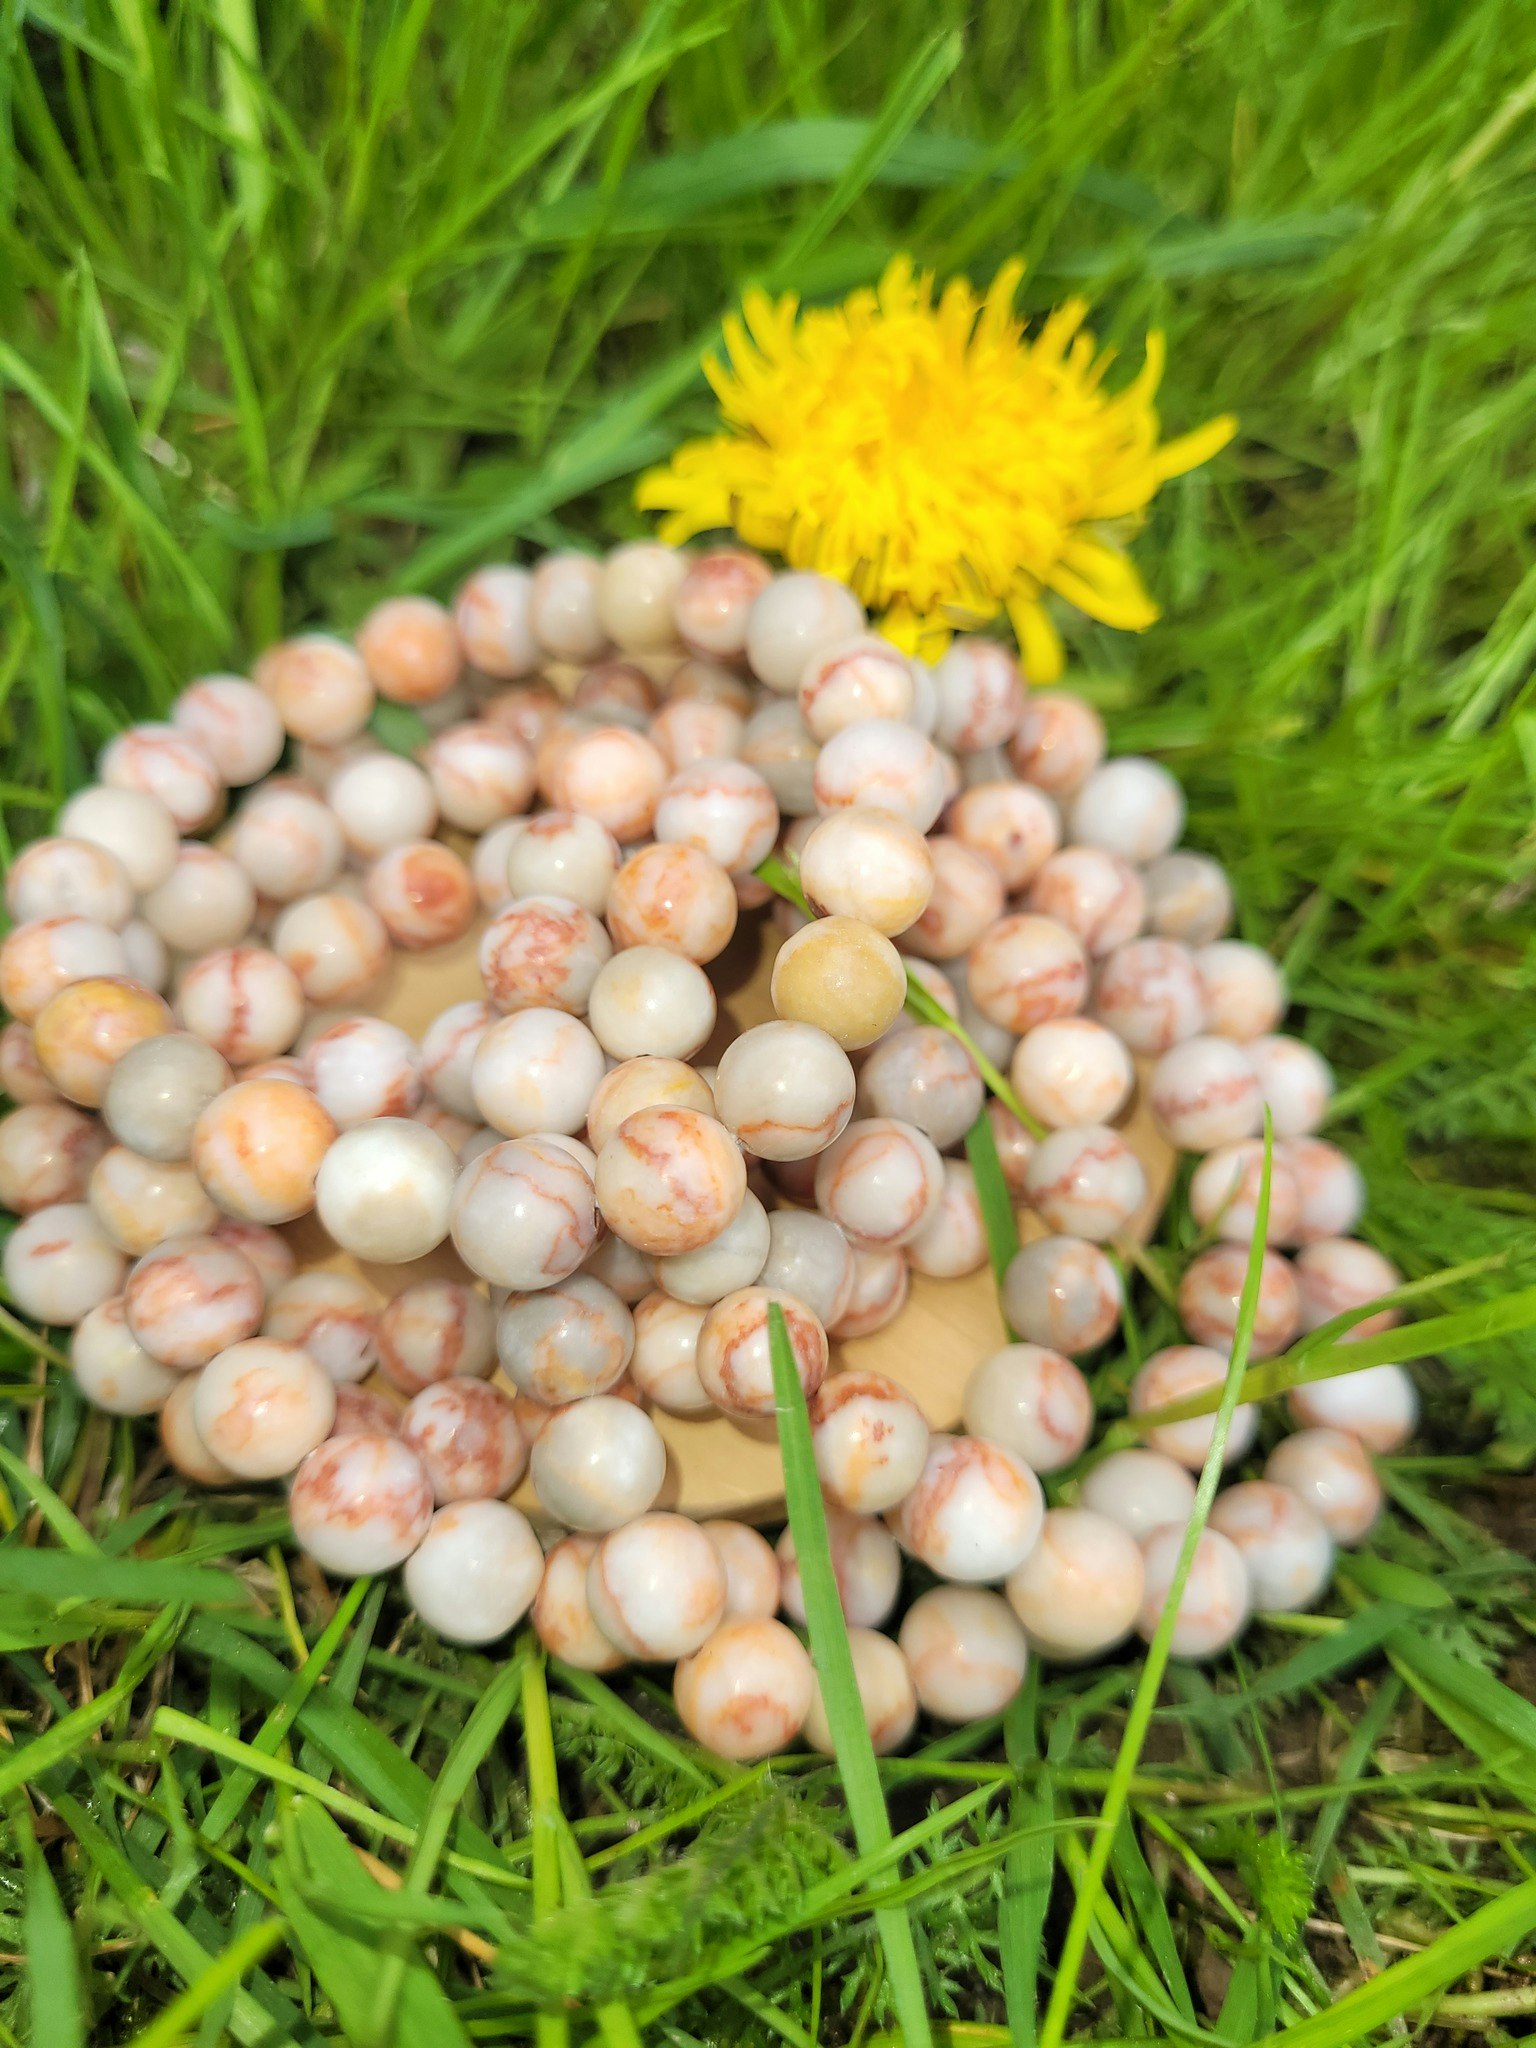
997	1212
834	1668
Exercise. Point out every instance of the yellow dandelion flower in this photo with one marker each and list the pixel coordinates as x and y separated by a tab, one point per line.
935	457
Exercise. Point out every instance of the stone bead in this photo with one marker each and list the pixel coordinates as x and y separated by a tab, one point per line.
157	1091
244	1002
690	730
714	598
447	1052
135	828
161	762
866	1565
382	801
746	1693
360	1411
647	1000
422	894
1096	895
636	591
733	1359
261	1407
881	1280
436	1330
1085	1181
883	765
1032	1401
336	948
1212	1289
1216	1601
385	1188
981	696
566	1342
1224	1194
1286	1548
1329	1185
1332	1473
332	1316
797	613
184	1448
1026	970
664	1363
1132	807
1080	1589
965	1650
598	1463
524	1214
493	616
465	1433
1188	898
842	977
1014	828
886	1694
112	1369
141	1202
1297	1083
1204	1093
730	1261
966	901
881	1182
192	1298
1379	1406
20	1075
850	680
411	650
1059	741
535	1071
1141	1490
722	808
68	878
563	607
288	841
560	854
1015	1146
1244	990
82	1032
615	776
258	1149
562	1616
777	745
923	1077
785	1089
207	900
39	961
360	1504
270	1255
1150	995
361	1068
480	775
953	1241
669	1180
1072	1071
320	688
673	897
870	1440
657	1588
1338	1275
1178	1373
974	1512
475	1571
1063	1293
752	1578
809	1257
48	1151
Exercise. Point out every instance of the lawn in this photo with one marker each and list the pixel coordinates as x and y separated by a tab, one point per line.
304	303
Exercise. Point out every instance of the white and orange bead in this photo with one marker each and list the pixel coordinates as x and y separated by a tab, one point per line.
1188	898
411	650
953	1241
1296	1081
842	977
320	688
269	1253
657	1588
1178	1373
1330	1188
747	1691
258	1148
924	1077
966	900
69	878
1064	1293
792	617
776	744
60	1264
335	947
562	1615
191	1298
288	841
20	1075
183	1447
731	1260
360	1503
1131	807
598	1463
649	1000
886	1692
885	765
1224	1194
1014	828
362	1067
1072	1070
560	854
382	801
1140	1490
1379	1405
535	1071
1204	1093
881	1182
1337	1276
1150	995
135	828
262	1406
1216	1600
1026	970
385	1189
332	1316
1085	1181
669	1180
161	762
466	1435
849	681
1059	741
1332	1472
980	692
141	1202
1283	1543
447	1053
565	1342
493	616
1244	990
1212	1289
475	1572
713	601
966	1651
648	1082
435	1330
675	897
480	774
664	1363
563	607
752	1577
974	1513
41	958
1080	1589
524	1214
244	1001
1095	894
723	808
112	1369
361	1411
733	1358
809	1257
48	1151
81	1033
422	893
866	1565
206	900
870	1439
1032	1401
878	1294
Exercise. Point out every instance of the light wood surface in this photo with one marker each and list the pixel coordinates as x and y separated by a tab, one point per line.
715	1466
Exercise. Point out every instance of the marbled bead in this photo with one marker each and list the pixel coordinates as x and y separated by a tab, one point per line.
48	1151
40	960
161	762
1096	895
674	897
746	1693
493	617
691	729
385	1188
598	1463
465	1433
868	865
887	1696
1379	1406
335	947
1014	828
1015	1146
149	959
636	590
1025	970
1059	741
82	1032
411	650
1338	1275
112	1369
1211	1291
842	977
706	681
966	900
881	1182
648	1000
981	696
1132	807
560	854
1141	1490
613	775
69	878
59	1264
1080	1589
723	808
141	1202
870	1439
926	1078
731	1260
733	1359
1063	1293
1071	1070
809	1257
361	1504
422	893
953	1241
488	864
881	1280
360	1068
1329	1185
1204	1093
777	745
562	1615
1224	1194
669	1180
1244	990
1216	1600
270	1254
1283	1543
20	1075
752	1579
261	1407
1177	1373
1150	995
320	688
563	607
966	1651
1085	1181
436	1330
361	1411
480	775
191	1298
206	900
244	1002
795	614
565	1342
258	1148
135	828
1332	1472
1032	1401
475	1571
664	1362
1296	1081
334	1317
866	1564
448	1048
885	765
382	801
288	841
648	1082
657	1588
850	680
535	1071
1188	898
183	1447
714	598
524	1214
974	1512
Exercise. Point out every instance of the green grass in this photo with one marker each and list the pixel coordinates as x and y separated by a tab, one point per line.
301	303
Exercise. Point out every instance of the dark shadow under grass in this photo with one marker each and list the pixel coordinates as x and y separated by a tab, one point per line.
296	305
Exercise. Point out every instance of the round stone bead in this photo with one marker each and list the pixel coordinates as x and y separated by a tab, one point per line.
881	1280
41	959
1072	1071
866	1565
1188	898
1063	1293
319	687
1286	1548
1204	1093
690	729
669	1180
565	1342
543	952
776	744
722	808
1297	1083
141	1202
332	1316
752	1580
1224	1194
447	1052
636	590
112	1369
598	1463
20	1075
493	616
785	1090
207	900
480	774
1080	1589
648	1082
288	841
1033	1402
809	1257
48	1152
82	1032
244	1002
1216	1600
664	1363
673	897
161	762
1085	1181
886	1694
535	1071
157	1091
411	650
69	878
953	1242
559	854
360	1504
270	1255
1026	970
796	615
881	1182
465	1433
524	1214
981	696
336	947
361	1068
1015	1146
563	607
868	865
1244	990
258	1148
1132	807
923	1077
384	1190
647	1000
1178	1373
1332	1473
656	1588
883	765
746	1693
1212	1289
714	599
382	801
135	828
966	900
475	1571
422	894
733	1359
1337	1276
1329	1186
613	775
436	1330
1096	895
261	1407
191	1298
1379	1406
562	1617
183	1447
870	1440
974	1512
965	1650
730	1261
1141	1490
1150	995
1014	828
849	681
1059	741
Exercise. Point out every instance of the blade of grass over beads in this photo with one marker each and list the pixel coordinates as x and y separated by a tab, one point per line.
834	1669
997	1212
1138	1720
776	876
